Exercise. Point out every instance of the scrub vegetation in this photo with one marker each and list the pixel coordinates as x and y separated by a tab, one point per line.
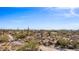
30	40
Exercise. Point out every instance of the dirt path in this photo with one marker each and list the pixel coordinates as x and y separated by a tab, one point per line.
45	48
11	38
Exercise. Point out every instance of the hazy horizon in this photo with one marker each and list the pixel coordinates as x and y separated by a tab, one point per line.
39	18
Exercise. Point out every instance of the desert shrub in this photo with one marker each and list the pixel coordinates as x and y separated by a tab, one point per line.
29	33
75	44
19	35
4	38
64	42
32	45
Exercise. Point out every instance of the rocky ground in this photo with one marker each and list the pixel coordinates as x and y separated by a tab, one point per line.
39	40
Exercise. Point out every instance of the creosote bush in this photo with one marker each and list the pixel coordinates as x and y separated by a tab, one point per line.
4	38
20	35
75	44
32	45
64	42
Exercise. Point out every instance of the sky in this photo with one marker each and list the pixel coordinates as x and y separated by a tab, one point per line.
39	17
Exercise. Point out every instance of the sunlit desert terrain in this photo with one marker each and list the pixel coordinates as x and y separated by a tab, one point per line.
39	40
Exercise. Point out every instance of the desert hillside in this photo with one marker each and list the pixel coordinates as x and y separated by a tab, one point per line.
39	40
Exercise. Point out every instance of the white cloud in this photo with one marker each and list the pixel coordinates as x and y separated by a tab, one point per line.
71	11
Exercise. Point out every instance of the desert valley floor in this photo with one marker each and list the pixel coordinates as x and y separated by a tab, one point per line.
39	40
